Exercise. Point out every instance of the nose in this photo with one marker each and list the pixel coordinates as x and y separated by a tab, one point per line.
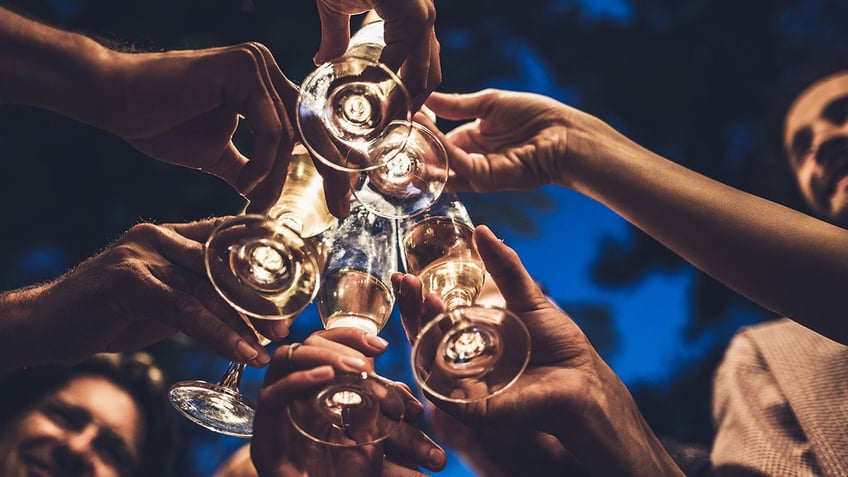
75	452
831	149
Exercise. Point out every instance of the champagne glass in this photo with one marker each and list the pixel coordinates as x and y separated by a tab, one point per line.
470	352
402	166
266	267
346	105
412	180
354	409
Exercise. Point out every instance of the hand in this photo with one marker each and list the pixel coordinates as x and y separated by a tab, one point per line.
148	284
313	364
567	390
506	452
411	44
518	141
183	107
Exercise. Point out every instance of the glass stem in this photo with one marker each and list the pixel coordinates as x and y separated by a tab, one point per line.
290	220
232	376
456	298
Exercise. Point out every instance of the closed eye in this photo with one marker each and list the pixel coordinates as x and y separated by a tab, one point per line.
802	141
836	111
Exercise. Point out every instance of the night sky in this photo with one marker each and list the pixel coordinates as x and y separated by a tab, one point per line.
695	81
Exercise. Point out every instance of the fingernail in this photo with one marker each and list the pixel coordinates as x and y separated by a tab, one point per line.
322	372
437	457
247	352
376	342
263	359
356	363
280	329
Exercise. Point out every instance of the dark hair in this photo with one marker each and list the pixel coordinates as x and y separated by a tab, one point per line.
781	185
136	373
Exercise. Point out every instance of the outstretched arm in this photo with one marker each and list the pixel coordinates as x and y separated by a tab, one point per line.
181	107
787	261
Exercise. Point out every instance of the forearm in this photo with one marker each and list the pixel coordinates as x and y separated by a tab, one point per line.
782	259
49	68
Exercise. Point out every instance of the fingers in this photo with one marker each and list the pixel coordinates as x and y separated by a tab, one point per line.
272	146
335	34
189	302
459	107
366	343
410	447
514	282
314	353
250	91
199	230
406	23
422	72
337	189
202	316
415	311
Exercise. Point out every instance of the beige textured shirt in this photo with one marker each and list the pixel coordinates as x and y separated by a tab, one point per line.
780	403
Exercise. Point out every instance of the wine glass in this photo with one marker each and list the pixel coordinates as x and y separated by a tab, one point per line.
412	180
266	267
346	105
470	352
354	115
354	409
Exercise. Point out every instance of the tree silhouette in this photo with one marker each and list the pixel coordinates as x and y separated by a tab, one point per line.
694	81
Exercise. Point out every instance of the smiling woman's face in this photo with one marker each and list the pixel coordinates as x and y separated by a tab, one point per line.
90	427
816	140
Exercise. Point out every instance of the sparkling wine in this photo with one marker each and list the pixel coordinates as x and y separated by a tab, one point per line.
368	41
440	251
302	205
277	273
354	298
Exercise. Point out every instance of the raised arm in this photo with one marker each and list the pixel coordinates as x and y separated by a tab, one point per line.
180	106
787	261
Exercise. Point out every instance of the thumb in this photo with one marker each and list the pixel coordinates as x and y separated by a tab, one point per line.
335	34
513	280
457	107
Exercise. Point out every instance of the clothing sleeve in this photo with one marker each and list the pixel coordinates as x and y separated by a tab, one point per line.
757	432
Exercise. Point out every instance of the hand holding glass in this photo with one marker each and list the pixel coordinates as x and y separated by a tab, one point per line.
470	352
354	409
265	267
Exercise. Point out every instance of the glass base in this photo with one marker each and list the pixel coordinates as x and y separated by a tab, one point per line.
214	407
355	409
470	353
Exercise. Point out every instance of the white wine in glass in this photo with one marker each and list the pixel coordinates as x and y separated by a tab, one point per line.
470	352
345	105
266	267
354	409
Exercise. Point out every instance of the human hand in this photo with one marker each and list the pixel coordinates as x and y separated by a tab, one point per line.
295	373
411	44
567	390
183	107
496	452
518	140
142	288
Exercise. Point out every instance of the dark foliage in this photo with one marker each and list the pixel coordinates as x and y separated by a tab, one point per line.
695	81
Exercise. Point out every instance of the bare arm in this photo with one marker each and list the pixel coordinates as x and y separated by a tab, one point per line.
784	260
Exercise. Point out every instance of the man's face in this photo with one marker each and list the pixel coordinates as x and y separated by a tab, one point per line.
90	428
816	140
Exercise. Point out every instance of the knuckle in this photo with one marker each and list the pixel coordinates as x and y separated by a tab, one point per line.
142	232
